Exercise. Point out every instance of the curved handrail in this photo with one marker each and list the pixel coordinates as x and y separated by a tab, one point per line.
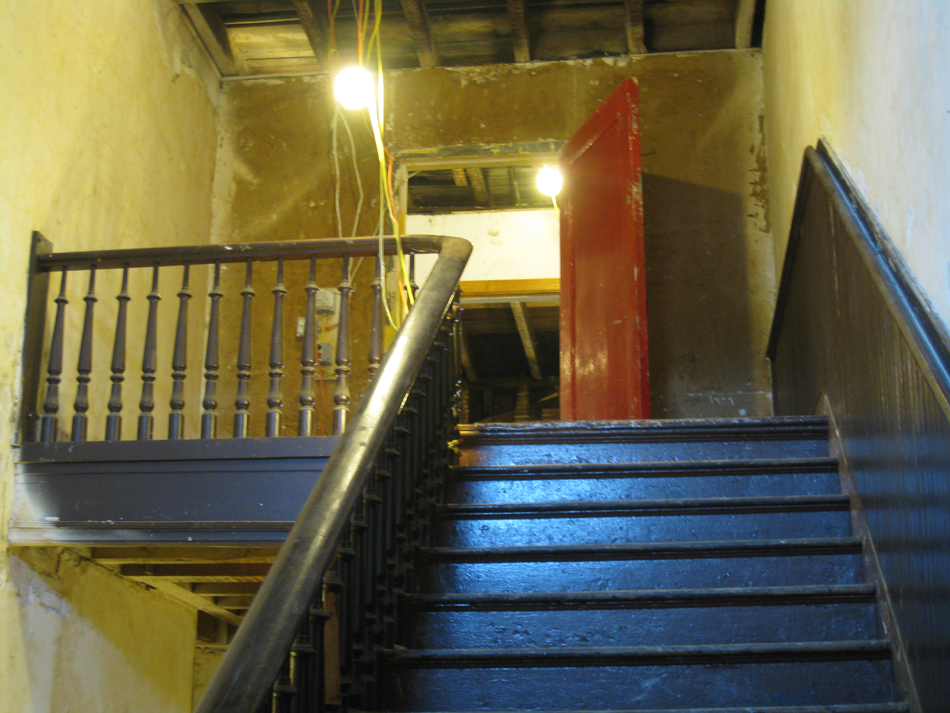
254	656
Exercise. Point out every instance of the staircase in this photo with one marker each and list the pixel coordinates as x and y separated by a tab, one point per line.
696	565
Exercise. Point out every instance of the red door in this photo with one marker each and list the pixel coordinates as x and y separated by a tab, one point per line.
604	372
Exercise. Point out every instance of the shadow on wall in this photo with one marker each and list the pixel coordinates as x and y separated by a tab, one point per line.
707	358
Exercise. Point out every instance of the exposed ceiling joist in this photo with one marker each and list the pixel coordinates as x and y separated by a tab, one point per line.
528	338
519	30
313	18
634	17
184	594
477	179
466	355
745	16
207	23
418	20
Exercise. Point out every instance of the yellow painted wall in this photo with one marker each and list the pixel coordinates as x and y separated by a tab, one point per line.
872	77
108	134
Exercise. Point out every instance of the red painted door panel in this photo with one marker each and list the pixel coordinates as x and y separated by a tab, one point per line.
604	372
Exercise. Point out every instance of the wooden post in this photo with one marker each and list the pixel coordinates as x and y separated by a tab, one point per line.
341	396
176	419
49	425
274	399
149	362
307	358
242	401
114	419
209	418
84	367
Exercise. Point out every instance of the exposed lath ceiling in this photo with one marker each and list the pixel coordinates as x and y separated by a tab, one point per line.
268	37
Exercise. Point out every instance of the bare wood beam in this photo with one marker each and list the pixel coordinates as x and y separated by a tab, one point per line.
467	357
418	20
191	554
745	15
207	23
314	21
236	603
518	14
477	179
225	589
635	43
528	339
459	175
151	573
185	595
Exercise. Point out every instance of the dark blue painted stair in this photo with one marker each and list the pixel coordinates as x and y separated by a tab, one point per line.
658	566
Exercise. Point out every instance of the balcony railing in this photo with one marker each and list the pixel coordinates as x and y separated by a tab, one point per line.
367	513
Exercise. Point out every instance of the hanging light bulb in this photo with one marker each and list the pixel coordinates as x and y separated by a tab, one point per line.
550	181
353	87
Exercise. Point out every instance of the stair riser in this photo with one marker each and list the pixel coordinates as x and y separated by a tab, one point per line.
647	687
573	452
642	528
476	490
847	621
459	577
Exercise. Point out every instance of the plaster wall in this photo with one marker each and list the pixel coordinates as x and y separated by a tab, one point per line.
506	245
710	275
871	77
108	134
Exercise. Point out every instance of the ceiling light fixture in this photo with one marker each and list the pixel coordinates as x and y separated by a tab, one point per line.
549	181
354	88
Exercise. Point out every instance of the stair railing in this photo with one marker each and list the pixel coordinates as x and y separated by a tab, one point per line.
351	549
161	332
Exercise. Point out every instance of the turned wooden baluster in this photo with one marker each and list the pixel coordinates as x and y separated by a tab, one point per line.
149	362
341	396
274	399
376	323
114	419
242	402
176	418
308	368
84	367
209	418
49	423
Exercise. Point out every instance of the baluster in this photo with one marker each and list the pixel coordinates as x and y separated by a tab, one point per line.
49	423
209	418
376	323
176	419
341	396
307	358
242	402
84	367
274	400
114	419
149	362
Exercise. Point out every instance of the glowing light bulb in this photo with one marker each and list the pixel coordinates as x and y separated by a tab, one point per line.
550	181
353	88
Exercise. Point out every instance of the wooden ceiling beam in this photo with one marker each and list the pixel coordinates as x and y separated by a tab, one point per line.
466	355
477	179
214	35
313	18
528	339
184	594
745	17
419	27
519	30
458	174
634	12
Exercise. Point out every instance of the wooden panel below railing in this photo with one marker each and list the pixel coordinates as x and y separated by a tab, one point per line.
851	330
